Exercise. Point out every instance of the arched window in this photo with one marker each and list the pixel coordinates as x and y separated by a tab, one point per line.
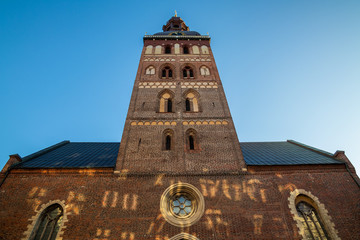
166	102
204	71
158	49
188	72
186	49
204	49
48	224
166	72
150	70
313	227
191	101
168	50
195	50
191	140
149	49
168	138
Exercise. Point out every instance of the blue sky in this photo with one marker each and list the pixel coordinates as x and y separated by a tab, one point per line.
290	69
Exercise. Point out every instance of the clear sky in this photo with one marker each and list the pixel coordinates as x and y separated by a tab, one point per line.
290	69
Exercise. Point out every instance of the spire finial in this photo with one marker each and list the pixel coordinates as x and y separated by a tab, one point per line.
175	13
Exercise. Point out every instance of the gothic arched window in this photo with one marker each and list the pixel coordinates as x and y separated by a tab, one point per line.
191	102
48	224
312	224
166	102
188	72
166	72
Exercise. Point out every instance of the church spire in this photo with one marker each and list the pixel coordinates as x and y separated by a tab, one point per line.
175	24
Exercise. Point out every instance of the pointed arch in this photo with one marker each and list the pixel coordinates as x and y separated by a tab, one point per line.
48	222
311	216
192	100
166	98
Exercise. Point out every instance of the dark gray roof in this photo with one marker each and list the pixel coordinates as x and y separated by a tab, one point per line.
284	153
102	155
187	33
74	155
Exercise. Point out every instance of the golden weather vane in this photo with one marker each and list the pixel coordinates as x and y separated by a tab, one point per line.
175	13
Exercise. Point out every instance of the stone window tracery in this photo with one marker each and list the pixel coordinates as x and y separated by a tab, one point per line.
166	72
168	138
188	72
204	49
182	205
191	101
48	224
166	102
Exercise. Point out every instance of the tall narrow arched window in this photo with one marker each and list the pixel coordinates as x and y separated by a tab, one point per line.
187	105
169	105
166	72
168	50
191	101
188	72
186	49
168	140
191	140
166	102
312	224
48	224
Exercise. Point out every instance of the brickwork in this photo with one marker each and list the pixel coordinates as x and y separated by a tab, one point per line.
242	206
240	202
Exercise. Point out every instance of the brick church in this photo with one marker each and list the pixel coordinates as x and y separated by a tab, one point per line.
180	171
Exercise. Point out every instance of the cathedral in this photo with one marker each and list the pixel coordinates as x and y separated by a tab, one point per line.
179	171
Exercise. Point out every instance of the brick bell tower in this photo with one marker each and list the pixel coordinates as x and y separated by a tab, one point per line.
178	119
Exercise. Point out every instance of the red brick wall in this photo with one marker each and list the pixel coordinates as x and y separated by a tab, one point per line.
247	206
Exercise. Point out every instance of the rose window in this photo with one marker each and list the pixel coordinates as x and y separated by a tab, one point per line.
181	206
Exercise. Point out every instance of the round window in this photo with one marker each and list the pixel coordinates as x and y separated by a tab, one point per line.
182	204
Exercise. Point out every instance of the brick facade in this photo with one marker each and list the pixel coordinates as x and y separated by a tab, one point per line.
241	202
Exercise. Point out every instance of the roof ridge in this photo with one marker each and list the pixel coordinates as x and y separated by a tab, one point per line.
322	152
266	142
45	150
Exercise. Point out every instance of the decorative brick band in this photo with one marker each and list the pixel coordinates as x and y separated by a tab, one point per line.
206	122
323	213
157	85
152	123
212	84
35	218
201	84
173	60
